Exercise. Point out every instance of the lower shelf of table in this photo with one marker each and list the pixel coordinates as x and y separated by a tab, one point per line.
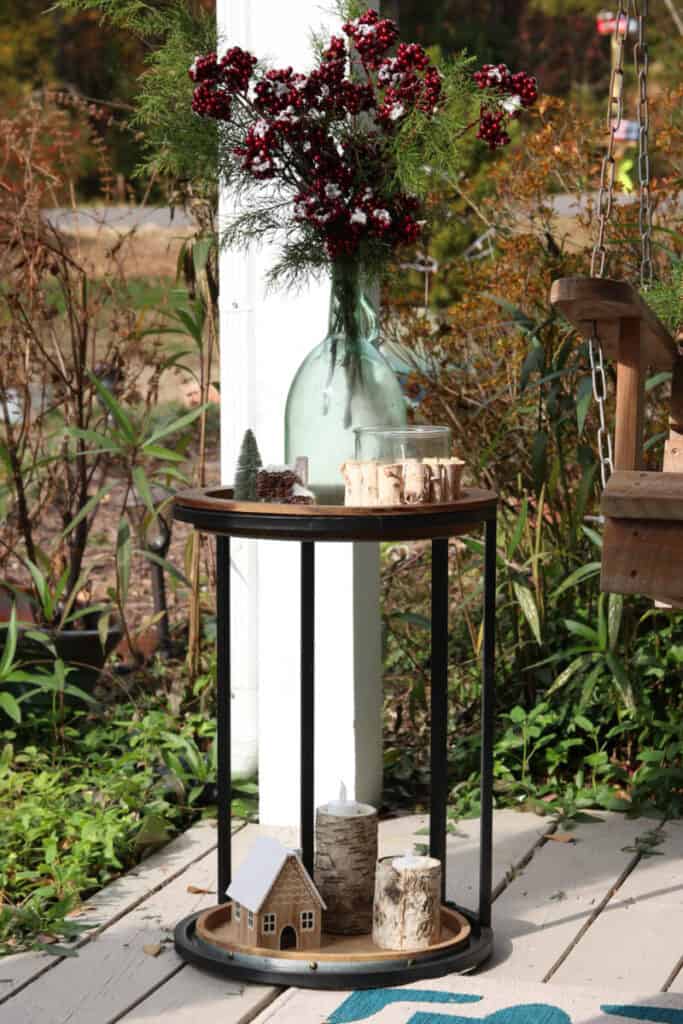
340	963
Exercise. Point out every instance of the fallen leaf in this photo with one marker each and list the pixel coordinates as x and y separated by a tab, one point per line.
84	909
152	949
46	940
198	891
561	837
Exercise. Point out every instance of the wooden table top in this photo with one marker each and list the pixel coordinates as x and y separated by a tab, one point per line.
213	510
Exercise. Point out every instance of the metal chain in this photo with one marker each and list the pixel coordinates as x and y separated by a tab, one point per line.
600	395
641	62
615	109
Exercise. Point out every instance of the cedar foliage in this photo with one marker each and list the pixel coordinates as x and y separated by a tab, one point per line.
176	145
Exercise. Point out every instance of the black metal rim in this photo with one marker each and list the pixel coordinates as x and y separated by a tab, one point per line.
341	975
332	528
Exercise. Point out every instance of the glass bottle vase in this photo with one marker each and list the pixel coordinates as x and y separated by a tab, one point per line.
343	384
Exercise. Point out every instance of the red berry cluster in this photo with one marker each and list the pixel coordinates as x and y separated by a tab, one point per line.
502	80
279	90
345	218
204	68
373	36
492	128
409	80
516	91
211	100
217	81
345	212
236	68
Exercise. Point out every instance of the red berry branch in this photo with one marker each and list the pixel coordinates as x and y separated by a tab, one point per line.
328	138
512	92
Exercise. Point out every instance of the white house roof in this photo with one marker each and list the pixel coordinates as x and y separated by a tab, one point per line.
258	874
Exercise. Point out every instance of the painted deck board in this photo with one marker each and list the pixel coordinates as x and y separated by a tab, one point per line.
677	983
191	994
115	900
649	909
113	979
543	909
112	973
195	997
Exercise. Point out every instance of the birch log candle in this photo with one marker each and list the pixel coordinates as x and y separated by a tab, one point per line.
345	859
407	905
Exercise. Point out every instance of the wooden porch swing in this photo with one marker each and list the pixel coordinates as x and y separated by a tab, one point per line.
643	536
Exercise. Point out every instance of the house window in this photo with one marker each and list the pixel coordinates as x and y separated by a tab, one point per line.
269	923
238	912
250	919
307	920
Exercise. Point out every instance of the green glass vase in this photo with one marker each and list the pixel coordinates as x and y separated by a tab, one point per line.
344	383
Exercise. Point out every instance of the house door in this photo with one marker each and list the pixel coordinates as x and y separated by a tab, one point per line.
288	938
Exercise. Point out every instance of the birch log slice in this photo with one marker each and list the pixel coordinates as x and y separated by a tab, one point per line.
454	468
351	471
369	483
407	907
436	481
390	482
416	479
345	859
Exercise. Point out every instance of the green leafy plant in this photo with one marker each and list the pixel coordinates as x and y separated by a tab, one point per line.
20	680
81	812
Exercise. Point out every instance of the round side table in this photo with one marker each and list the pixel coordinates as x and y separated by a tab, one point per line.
213	511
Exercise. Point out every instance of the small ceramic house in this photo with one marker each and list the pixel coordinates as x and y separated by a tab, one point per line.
275	903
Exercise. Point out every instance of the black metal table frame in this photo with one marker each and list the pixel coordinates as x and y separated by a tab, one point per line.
188	944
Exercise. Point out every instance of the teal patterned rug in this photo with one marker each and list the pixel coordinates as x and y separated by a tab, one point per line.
471	1001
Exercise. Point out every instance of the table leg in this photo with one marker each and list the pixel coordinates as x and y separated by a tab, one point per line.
487	726
439	706
307	702
223	701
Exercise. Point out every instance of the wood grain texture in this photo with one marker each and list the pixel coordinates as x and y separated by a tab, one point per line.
213	511
642	495
628	432
214	927
198	997
676	415
641	556
220	499
544	907
673	453
648	907
583	300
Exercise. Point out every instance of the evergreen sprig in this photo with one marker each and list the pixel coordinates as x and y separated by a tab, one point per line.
177	145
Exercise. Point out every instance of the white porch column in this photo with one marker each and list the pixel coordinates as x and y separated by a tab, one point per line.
264	337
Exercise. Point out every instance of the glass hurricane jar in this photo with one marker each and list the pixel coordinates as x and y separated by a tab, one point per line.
343	384
391	444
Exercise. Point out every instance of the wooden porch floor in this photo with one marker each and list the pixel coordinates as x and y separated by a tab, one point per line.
604	910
